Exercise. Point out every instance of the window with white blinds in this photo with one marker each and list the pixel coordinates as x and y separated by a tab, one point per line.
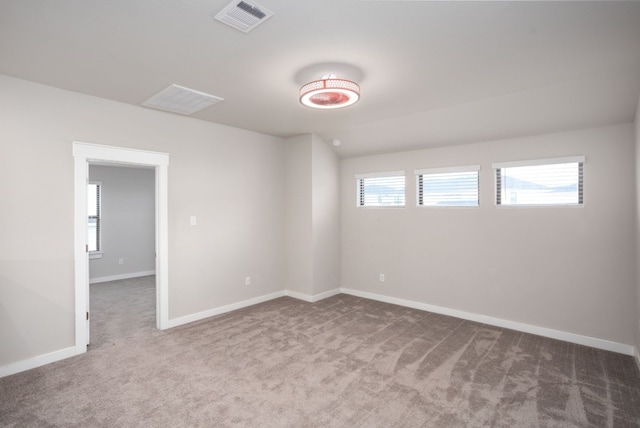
93	211
448	187
542	182
381	189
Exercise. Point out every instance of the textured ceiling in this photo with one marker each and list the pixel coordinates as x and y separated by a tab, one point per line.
431	73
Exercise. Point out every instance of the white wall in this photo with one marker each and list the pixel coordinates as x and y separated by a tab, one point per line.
312	216
127	224
570	269
232	179
298	215
637	181
325	190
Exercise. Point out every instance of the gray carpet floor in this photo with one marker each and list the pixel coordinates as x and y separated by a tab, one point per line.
340	362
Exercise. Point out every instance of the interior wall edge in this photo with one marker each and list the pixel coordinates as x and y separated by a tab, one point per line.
175	322
312	298
121	276
592	342
38	361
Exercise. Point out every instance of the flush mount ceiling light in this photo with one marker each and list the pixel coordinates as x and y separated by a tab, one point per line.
330	92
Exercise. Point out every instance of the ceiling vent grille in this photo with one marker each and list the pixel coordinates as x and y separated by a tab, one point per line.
243	16
178	99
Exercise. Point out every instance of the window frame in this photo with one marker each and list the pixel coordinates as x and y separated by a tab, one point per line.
420	173
96	254
360	181
498	166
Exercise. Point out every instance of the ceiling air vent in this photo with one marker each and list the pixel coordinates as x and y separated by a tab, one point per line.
243	16
178	99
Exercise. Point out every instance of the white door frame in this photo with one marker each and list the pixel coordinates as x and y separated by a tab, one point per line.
83	154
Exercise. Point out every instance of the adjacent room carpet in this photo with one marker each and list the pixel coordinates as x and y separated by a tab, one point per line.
341	362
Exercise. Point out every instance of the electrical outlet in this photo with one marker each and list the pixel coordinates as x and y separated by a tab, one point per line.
381	277
193	220
120	261
247	280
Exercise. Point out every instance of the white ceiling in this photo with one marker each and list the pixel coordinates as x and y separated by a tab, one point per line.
431	73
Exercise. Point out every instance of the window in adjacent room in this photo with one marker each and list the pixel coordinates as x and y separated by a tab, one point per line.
381	189
94	219
448	187
541	182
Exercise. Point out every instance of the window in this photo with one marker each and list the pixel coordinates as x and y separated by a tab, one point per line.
93	211
542	182
448	187
381	189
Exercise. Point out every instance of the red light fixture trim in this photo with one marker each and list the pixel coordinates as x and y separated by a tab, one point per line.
329	93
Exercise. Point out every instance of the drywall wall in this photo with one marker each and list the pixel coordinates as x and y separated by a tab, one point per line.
231	179
312	218
564	268
298	215
325	189
127	222
637	181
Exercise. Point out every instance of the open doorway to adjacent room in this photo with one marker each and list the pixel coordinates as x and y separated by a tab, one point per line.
121	239
152	275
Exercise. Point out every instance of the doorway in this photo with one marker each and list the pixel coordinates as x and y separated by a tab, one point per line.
121	238
84	154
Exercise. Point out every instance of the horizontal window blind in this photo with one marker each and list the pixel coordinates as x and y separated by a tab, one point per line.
546	182
93	211
448	187
381	189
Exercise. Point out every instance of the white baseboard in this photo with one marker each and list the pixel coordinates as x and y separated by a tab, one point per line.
309	298
223	309
40	360
250	302
512	325
121	276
